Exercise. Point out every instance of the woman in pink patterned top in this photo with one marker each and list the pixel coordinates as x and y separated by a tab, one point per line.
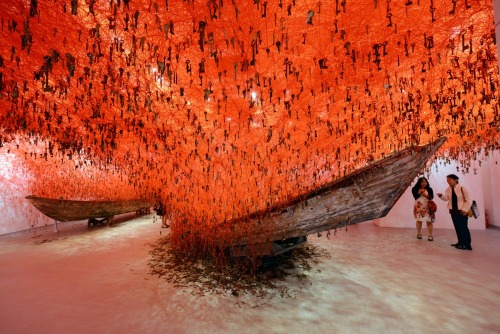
422	192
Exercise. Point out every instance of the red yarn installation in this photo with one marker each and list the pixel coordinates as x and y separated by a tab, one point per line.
225	108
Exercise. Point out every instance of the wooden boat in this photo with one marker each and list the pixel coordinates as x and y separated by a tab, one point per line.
68	210
368	193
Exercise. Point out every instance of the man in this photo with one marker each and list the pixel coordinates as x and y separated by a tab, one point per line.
459	203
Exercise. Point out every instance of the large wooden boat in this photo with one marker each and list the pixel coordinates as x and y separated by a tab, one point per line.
368	193
63	210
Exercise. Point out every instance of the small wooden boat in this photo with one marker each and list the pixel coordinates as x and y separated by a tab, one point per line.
368	193
68	210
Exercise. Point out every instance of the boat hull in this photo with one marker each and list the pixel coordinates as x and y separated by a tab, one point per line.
368	193
69	210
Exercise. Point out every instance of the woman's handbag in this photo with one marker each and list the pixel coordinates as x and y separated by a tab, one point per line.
474	210
431	205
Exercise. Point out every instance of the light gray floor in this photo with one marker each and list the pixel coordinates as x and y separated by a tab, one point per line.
377	280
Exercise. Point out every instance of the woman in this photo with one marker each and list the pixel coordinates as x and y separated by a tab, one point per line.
422	192
162	212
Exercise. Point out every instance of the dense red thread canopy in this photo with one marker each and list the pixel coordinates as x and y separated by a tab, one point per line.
228	107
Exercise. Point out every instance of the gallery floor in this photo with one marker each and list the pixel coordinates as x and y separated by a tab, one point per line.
376	280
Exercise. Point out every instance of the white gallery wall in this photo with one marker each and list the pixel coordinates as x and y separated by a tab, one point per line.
491	184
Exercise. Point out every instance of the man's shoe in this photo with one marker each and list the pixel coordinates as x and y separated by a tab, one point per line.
455	245
463	247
